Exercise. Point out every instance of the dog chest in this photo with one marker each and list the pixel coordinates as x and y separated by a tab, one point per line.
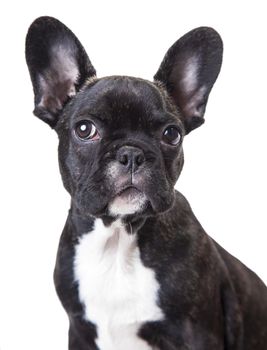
118	292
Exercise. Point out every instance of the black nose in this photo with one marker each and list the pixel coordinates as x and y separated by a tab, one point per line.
130	157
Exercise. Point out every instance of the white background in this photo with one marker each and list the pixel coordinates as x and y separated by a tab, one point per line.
225	173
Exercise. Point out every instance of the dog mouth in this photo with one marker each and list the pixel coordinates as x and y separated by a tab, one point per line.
128	191
128	201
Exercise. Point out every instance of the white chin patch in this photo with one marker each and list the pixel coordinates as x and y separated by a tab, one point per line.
131	201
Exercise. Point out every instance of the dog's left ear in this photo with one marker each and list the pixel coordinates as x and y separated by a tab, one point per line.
189	70
58	66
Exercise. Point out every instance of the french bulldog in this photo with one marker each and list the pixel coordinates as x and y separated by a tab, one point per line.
135	270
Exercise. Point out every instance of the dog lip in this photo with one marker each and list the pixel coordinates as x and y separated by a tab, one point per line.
127	189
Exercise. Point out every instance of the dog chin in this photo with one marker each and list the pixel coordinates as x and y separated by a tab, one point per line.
128	202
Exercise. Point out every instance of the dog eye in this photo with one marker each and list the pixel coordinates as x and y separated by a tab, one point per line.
171	135
86	130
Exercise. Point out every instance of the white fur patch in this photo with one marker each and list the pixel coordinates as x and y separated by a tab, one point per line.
119	293
132	203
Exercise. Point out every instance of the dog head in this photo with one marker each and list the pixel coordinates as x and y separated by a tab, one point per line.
120	138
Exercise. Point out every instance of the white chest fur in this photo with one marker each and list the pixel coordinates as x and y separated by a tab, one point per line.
118	291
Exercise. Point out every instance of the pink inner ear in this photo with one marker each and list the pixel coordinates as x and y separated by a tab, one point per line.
57	82
189	75
188	93
193	102
54	96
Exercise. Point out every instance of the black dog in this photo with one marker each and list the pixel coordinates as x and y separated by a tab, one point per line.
135	269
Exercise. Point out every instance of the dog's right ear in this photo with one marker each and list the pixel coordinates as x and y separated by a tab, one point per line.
58	66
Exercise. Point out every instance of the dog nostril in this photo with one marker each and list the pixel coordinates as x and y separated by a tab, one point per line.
123	159
139	160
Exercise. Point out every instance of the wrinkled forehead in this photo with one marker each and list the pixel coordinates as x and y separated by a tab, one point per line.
126	92
114	97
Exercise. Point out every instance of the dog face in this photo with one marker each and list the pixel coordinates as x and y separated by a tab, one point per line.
120	138
120	148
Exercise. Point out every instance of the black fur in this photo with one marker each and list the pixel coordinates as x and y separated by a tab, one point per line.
210	300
